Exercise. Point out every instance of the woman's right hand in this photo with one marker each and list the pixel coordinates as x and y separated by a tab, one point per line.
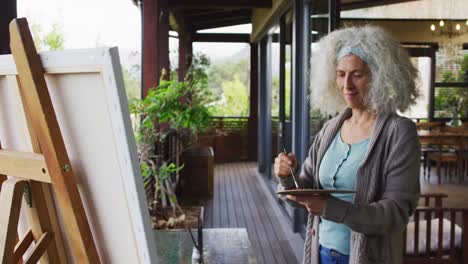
283	163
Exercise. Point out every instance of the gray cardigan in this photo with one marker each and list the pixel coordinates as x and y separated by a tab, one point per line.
387	190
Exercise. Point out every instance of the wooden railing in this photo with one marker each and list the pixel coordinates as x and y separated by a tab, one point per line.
436	234
228	136
228	125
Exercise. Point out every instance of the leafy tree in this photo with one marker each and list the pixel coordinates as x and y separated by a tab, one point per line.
55	39
198	73
180	110
463	74
452	101
225	71
234	100
448	76
52	40
132	85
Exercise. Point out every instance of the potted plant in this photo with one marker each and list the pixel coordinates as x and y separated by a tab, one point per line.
157	172
179	109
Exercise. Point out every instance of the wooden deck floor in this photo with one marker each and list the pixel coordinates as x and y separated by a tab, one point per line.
239	201
457	192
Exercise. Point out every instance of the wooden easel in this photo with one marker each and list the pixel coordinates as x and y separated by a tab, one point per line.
45	170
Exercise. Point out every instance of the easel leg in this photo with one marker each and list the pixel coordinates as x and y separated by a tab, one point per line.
44	123
40	217
10	206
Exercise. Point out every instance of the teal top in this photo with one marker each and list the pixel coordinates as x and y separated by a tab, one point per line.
338	171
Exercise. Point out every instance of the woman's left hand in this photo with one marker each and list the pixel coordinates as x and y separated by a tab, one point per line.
315	204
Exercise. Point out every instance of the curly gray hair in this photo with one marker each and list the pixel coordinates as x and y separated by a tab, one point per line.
394	80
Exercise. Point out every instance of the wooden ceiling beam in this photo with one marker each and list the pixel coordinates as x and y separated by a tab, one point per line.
219	3
221	37
222	16
369	3
206	12
178	23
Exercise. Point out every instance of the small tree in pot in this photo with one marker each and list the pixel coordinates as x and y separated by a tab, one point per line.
180	109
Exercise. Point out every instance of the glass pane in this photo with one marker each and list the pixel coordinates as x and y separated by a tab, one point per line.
319	17
274	81
319	20
450	67
451	102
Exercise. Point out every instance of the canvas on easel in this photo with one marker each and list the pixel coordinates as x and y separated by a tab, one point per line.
88	98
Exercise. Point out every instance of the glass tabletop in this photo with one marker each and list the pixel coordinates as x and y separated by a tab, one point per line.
221	245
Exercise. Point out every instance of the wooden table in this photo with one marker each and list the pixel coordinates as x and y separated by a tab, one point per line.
433	135
222	245
434	141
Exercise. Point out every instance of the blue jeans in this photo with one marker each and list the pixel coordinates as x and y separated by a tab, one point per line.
330	256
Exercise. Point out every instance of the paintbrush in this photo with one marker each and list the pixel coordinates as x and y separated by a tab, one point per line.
292	172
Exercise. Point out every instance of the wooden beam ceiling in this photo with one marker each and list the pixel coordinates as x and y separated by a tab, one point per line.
220	16
194	13
219	19
369	3
219	3
179	24
221	37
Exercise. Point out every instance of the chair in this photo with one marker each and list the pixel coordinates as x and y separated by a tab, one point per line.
449	152
427	146
436	234
463	143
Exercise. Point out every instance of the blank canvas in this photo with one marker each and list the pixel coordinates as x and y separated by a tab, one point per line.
88	95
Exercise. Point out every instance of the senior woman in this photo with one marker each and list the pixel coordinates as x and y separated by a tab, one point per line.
363	74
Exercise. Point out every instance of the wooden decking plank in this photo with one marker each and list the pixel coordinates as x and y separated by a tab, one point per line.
276	236
264	216
273	230
241	219
252	230
236	198
224	205
237	188
230	200
268	251
216	201
208	211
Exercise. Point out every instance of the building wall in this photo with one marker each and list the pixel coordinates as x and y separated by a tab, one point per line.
408	31
403	30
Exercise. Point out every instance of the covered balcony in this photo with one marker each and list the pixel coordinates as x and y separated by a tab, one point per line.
282	41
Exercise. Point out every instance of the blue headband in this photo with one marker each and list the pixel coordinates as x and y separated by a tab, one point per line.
348	50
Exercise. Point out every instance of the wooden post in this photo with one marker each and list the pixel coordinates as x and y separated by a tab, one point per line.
162	41
183	43
149	53
253	111
7	13
155	42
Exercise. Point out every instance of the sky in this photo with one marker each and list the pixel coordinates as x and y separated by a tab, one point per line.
91	23
87	23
